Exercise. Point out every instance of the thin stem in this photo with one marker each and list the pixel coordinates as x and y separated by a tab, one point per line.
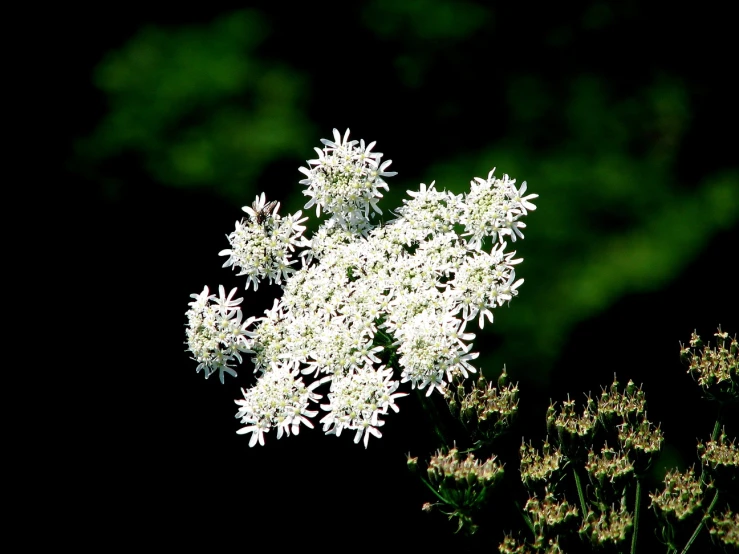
433	490
583	506
700	524
637	514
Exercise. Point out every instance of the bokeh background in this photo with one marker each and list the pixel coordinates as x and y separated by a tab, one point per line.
621	116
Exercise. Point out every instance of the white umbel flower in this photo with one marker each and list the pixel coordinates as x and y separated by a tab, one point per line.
279	400
262	245
357	400
216	336
345	181
432	351
493	208
371	306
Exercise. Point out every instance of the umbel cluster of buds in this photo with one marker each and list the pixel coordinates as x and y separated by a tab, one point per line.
365	307
486	411
578	443
610	443
461	483
715	368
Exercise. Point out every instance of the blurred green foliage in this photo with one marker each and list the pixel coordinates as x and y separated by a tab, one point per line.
201	105
425	20
197	105
425	27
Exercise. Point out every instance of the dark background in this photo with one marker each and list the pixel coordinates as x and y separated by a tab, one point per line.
621	117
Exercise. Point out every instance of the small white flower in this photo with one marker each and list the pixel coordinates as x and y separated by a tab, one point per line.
512	226
523	202
226	304
340	144
201	300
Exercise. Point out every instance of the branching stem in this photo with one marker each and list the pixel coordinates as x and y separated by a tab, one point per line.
700	524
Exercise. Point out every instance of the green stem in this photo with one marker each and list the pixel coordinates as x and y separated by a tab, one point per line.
700	524
714	437
637	514
583	506
433	490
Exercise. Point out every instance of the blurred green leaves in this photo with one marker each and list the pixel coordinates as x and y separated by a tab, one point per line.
427	20
425	28
198	107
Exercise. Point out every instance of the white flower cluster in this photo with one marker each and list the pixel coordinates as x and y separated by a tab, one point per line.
216	335
372	306
344	181
262	245
278	400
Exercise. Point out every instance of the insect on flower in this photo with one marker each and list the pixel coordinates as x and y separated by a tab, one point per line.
265	212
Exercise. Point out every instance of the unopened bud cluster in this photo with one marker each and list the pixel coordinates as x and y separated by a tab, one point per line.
715	368
639	439
578	439
574	431
721	452
720	460
611	465
726	528
539	467
681	496
619	417
549	512
611	526
486	411
547	516
644	438
628	405
462	483
512	546
462	480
